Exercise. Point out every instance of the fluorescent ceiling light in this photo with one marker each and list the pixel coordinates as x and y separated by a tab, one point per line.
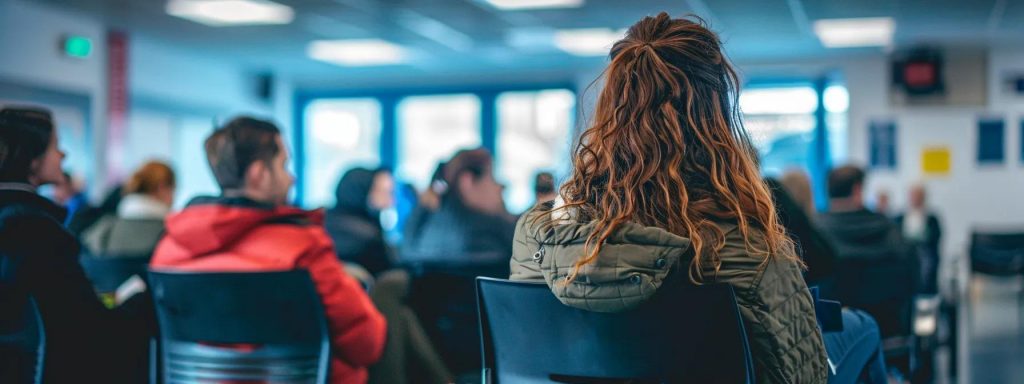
863	32
779	101
510	5
354	53
222	13
588	42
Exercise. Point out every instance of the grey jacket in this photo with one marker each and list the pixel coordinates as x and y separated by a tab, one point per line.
774	301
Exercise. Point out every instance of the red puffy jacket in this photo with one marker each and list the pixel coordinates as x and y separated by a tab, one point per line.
240	235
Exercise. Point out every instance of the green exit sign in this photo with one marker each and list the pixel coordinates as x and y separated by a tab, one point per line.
77	46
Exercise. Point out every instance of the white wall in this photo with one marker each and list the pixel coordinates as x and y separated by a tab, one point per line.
971	195
30	34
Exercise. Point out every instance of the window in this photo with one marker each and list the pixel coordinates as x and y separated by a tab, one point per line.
431	129
340	134
837	103
781	124
534	134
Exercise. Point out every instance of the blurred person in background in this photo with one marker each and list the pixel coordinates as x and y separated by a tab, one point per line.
138	224
84	340
544	188
883	204
798	186
70	194
812	244
922	229
354	222
470	224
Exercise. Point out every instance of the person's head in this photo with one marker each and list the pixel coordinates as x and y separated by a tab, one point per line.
154	179
666	147
918	197
846	187
544	187
29	151
798	186
364	191
470	181
882	203
248	158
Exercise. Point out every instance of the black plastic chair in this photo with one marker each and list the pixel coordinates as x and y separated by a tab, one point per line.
997	253
22	347
685	334
443	296
107	274
240	327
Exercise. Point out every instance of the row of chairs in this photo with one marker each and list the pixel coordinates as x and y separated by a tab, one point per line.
269	327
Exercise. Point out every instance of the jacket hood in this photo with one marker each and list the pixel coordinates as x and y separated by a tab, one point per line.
633	263
208	225
353	192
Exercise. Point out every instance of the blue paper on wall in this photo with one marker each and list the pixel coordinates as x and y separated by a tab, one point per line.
991	140
882	139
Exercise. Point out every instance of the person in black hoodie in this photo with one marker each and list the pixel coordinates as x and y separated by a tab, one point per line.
84	341
354	222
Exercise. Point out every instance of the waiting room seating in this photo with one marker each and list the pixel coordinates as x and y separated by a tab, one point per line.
997	253
443	296
240	327
528	336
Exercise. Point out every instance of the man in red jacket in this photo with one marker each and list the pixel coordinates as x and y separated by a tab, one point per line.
250	228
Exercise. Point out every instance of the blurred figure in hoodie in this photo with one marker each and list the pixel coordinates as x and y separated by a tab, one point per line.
251	228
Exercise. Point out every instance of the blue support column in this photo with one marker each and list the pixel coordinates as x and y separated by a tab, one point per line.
821	161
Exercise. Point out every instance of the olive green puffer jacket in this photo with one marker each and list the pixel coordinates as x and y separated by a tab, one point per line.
776	307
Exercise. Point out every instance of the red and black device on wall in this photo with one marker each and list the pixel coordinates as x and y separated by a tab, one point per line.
919	72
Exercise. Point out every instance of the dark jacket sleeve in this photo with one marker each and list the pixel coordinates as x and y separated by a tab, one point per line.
80	330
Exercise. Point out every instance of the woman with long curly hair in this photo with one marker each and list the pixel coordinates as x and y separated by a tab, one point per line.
665	187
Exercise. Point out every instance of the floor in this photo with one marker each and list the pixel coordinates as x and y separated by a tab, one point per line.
995	331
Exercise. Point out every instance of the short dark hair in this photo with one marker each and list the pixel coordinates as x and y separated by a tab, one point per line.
232	148
544	183
842	180
25	133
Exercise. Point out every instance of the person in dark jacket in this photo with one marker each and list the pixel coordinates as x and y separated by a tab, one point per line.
84	341
354	222
870	248
922	229
814	246
470	224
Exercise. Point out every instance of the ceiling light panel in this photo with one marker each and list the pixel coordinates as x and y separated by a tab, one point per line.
357	53
861	32
224	13
589	41
513	5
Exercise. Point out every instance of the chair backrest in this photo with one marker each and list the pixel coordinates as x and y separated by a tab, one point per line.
885	288
997	253
248	327
443	296
685	333
108	273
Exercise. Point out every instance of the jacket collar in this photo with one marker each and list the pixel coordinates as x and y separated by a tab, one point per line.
14	195
140	206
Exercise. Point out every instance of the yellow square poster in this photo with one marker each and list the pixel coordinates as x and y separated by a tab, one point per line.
936	161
